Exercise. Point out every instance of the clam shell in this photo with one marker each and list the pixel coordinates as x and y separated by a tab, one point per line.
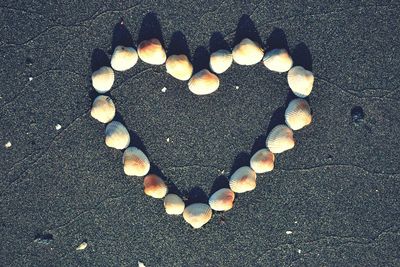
135	162
152	52
298	114
222	199
123	58
243	180
278	60
300	81
220	61
179	67
247	52
203	83
262	161
103	109
154	186
103	79
280	139
197	214
173	204
117	136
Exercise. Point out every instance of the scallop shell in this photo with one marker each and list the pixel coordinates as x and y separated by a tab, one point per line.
298	114
103	109
123	58
179	67
280	139
203	83
262	161
154	186
278	60
197	214
247	52
103	79
222	199
173	204
300	81
220	61
135	162
243	180
152	52
117	136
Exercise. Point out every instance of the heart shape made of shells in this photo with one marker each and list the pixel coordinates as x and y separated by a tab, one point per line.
204	82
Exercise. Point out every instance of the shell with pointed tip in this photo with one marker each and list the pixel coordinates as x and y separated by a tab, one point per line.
154	186
243	180
117	136
103	79
197	214
278	60
220	61
103	109
262	161
222	199
300	81
280	139
298	114
135	162
179	67
123	58
203	83
247	52
152	52
173	204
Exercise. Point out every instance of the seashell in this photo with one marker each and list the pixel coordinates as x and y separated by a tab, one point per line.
280	139
82	246
220	61
298	114
278	60
173	204
135	162
179	67
103	79
247	52
152	52
243	180
262	161
103	109
117	136
222	199
154	186
203	83
123	58
300	81
197	214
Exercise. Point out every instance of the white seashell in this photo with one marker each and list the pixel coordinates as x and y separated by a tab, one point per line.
300	81
222	199
220	61
203	83
278	60
197	214
179	67
243	180
152	52
262	161
103	79
82	246
123	58
247	52
173	204
103	109
280	139
117	136
135	162
298	114
154	186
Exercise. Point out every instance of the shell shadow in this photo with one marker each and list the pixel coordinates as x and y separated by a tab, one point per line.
121	36
278	117
150	28
196	195
246	29
218	42
242	159
277	39
220	182
259	143
302	56
178	45
172	188
201	59
99	59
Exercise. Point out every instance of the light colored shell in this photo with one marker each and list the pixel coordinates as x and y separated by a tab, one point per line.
197	214
135	162
220	61
152	52
203	83
179	67
103	109
280	139
154	186
243	180
247	52
262	161
222	200
173	204
298	114
117	136
103	79
123	58
300	81
278	60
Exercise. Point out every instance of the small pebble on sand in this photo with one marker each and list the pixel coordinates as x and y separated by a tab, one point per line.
58	127
164	89
8	144
82	246
289	232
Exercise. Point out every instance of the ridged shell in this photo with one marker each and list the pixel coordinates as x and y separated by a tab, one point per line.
300	81
220	61
103	109
123	58
243	180
197	214
117	136
179	67
298	114
247	52
203	83
222	199
173	204
278	60
262	161
152	52
280	139
103	79
154	186
135	162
